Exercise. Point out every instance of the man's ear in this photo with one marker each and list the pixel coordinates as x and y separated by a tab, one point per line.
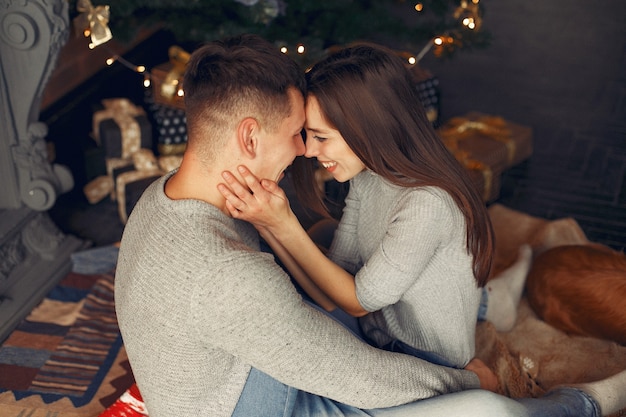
247	133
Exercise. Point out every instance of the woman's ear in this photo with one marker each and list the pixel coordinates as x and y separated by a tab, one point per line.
247	132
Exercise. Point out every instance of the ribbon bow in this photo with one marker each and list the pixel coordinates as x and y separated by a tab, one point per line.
96	19
178	58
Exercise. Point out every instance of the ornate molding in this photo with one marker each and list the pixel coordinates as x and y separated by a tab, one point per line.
32	33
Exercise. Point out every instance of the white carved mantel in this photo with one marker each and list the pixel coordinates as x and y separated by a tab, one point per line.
34	253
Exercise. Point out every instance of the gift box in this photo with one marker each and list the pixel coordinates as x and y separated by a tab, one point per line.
428	91
486	146
130	181
170	126
121	128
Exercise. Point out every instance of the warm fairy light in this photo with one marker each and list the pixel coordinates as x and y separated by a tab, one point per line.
110	61
412	60
283	49
419	7
146	81
141	69
438	40
469	22
475	1
87	33
92	45
300	49
180	92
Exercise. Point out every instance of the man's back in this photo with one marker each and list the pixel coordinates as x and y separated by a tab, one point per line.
198	305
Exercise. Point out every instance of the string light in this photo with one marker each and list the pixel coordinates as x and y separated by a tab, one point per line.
467	13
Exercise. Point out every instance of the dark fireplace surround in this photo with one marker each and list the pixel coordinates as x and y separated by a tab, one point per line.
34	253
49	82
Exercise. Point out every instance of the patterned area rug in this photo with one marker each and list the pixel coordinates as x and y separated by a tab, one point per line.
66	359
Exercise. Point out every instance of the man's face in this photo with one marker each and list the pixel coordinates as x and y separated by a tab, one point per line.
278	149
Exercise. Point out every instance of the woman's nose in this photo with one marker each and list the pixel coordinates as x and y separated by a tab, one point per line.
312	148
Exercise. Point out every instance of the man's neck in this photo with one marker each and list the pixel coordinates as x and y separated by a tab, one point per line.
194	181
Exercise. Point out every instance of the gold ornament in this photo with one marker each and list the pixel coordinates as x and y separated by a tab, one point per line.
94	22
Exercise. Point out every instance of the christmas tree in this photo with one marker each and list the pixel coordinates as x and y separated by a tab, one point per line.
306	28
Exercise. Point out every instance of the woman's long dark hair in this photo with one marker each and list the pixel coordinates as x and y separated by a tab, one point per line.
368	95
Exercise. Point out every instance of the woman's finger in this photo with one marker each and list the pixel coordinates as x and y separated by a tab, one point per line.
235	186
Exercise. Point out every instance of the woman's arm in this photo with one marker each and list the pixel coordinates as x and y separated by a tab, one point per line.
265	205
297	273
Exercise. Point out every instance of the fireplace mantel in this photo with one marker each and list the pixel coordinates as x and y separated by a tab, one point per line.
34	253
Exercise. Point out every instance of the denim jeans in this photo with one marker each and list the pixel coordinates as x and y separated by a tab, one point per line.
263	396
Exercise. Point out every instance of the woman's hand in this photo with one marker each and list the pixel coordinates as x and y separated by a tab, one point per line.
260	202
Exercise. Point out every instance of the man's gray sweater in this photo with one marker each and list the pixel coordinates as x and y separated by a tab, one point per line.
198	305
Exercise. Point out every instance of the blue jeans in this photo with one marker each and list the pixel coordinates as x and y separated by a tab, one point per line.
263	396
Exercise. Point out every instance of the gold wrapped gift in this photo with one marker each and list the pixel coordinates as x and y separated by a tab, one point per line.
121	128
486	145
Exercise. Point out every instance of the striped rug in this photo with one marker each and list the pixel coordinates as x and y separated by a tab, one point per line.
66	346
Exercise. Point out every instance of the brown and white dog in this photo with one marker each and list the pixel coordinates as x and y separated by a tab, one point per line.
580	289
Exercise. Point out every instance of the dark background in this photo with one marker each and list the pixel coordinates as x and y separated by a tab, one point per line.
559	67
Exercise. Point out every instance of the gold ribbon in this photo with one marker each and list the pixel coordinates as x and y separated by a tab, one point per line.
96	19
494	127
123	112
458	129
178	58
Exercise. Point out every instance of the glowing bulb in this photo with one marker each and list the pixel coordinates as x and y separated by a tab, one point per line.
140	69
146	81
471	25
438	41
283	49
87	33
300	49
412	60
475	1
419	7
92	46
110	61
180	92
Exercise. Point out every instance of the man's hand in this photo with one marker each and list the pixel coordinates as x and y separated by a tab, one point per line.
488	379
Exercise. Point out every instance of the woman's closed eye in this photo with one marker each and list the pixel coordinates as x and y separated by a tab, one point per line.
319	138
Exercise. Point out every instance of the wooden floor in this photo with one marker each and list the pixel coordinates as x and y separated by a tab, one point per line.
541	70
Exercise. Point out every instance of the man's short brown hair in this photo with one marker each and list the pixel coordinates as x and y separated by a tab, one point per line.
230	79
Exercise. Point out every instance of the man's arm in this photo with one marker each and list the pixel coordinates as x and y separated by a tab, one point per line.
257	316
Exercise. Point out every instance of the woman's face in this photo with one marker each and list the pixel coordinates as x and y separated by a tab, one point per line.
327	145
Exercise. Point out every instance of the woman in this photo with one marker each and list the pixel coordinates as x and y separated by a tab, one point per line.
415	243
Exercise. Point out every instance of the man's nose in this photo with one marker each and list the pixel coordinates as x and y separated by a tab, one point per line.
300	147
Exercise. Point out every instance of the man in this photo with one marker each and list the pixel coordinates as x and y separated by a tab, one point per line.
212	325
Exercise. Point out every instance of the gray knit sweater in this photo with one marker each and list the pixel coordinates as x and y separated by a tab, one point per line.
414	271
198	305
